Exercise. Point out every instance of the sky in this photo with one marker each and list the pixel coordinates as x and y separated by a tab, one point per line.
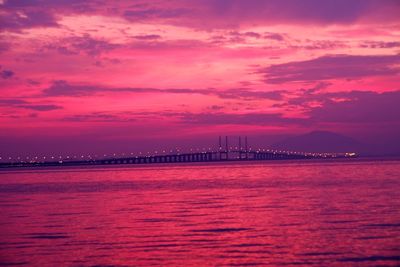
81	76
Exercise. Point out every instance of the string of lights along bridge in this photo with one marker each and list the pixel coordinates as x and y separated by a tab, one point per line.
224	152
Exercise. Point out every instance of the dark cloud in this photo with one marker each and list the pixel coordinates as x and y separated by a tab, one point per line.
368	108
358	107
245	34
189	118
332	67
155	13
98	117
6	74
20	103
63	88
235	13
349	107
324	45
206	14
371	44
250	94
81	44
238	119
12	102
16	20
40	3
274	36
252	34
170	44
56	7
241	37
4	46
40	107
147	37
215	107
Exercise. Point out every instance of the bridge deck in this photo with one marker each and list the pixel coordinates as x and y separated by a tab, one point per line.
185	157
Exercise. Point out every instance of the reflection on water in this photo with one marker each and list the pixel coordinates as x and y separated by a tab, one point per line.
286	213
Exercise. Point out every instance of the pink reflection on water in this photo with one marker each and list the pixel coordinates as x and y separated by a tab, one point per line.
314	213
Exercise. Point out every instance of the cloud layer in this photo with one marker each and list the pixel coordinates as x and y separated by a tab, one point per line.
178	69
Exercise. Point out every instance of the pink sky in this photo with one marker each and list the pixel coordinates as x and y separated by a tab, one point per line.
156	70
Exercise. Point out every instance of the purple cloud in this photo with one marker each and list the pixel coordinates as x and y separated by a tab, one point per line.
81	44
189	118
147	37
207	14
155	13
347	108
274	36
18	20
40	107
371	44
235	13
98	117
20	103
250	94
325	45
219	118
332	67
170	44
63	88
245	34
358	107
4	46
11	102
6	74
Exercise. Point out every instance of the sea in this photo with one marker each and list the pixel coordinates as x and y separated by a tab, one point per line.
258	213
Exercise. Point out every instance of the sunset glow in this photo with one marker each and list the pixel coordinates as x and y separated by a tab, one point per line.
170	70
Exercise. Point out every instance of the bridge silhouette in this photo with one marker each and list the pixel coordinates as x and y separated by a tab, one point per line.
241	152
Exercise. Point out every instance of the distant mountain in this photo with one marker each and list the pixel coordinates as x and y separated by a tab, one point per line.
321	141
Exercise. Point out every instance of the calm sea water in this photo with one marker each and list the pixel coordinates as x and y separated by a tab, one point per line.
256	214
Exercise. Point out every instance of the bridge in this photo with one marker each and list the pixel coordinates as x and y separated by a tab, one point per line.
241	152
